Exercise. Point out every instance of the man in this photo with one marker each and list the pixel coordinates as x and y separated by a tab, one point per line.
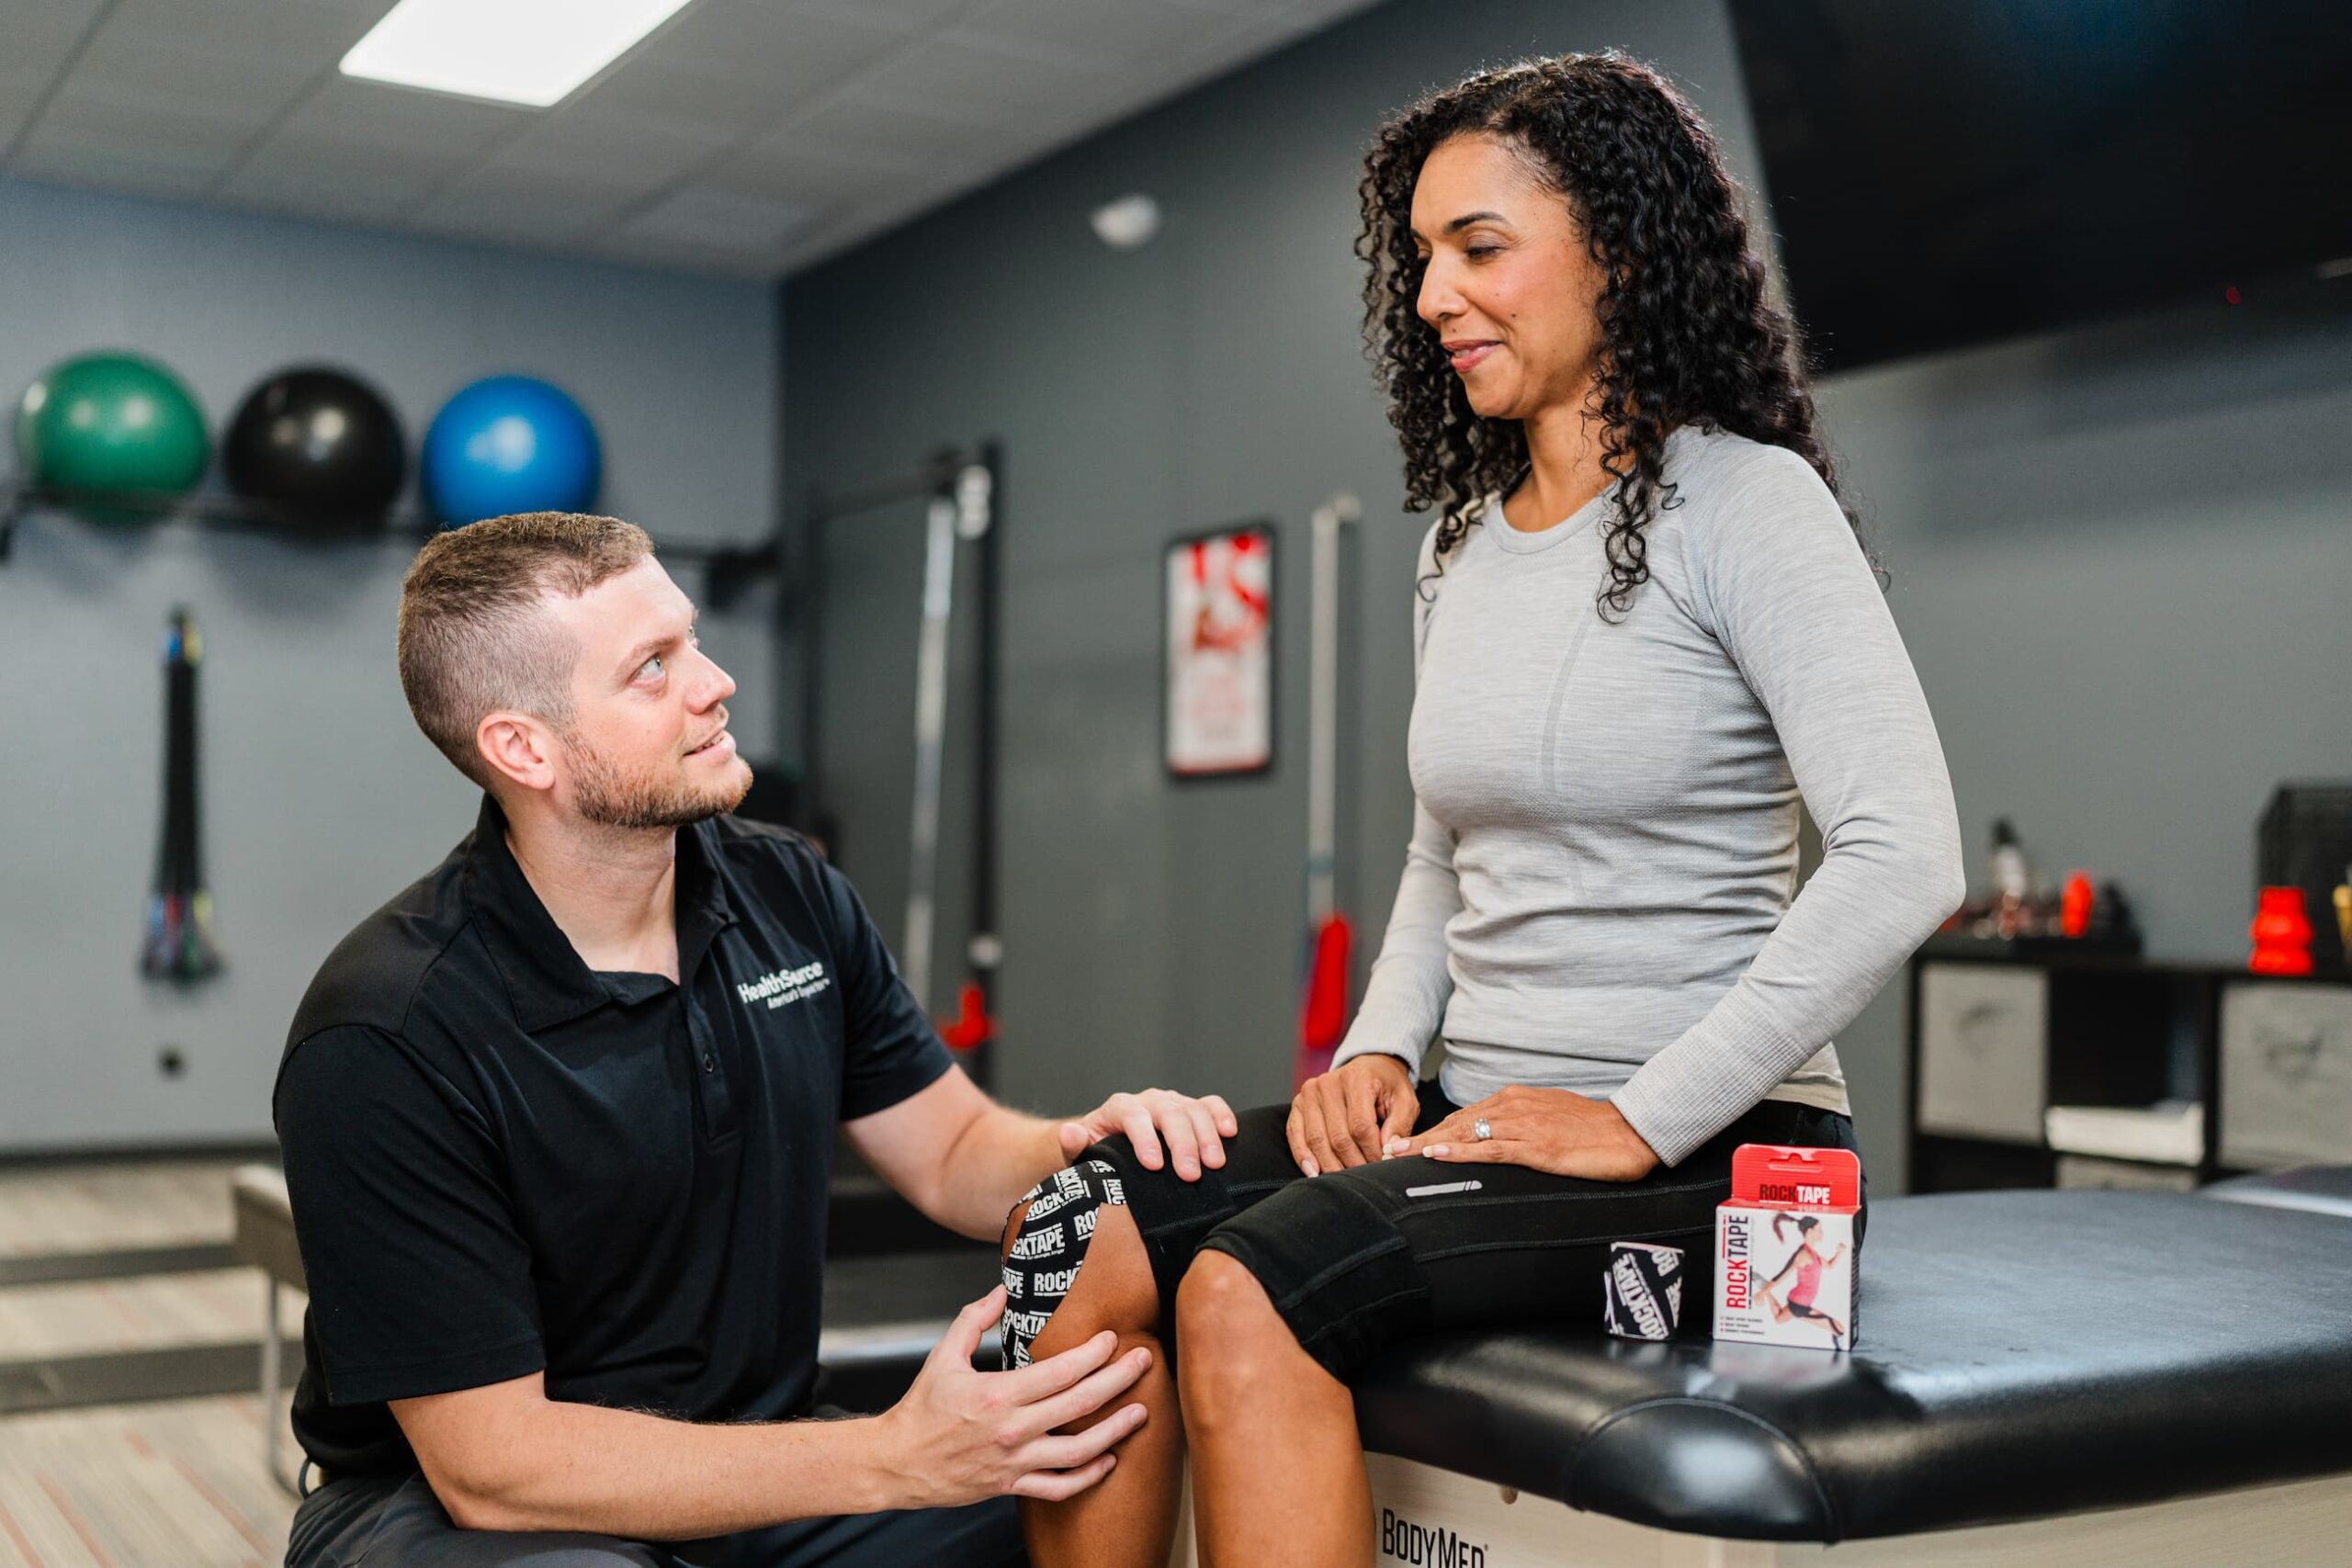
558	1124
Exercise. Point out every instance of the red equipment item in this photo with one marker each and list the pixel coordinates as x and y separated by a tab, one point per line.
2282	933
971	1027
2074	905
1324	1019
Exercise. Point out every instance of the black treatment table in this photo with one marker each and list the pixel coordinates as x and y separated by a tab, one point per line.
2081	1377
2096	1379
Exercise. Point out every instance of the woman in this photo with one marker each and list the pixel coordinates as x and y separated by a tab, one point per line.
1807	1263
1644	624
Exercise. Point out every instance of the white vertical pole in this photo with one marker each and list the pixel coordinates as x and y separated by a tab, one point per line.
269	1373
931	728
1323	706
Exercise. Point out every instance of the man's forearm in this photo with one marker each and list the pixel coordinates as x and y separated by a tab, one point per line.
964	1160
585	1467
997	1157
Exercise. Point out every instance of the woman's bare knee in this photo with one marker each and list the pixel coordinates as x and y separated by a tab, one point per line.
1230	1340
1219	1294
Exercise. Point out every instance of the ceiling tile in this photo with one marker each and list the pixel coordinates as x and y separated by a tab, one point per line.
624	151
746	135
190	72
161	173
841	233
17	96
1309	15
774	168
432	124
322	34
1109	32
905	16
714	217
818	244
853	131
793	53
351	196
285	163
1260	10
83	117
686	98
536	208
950	80
42	34
1225	50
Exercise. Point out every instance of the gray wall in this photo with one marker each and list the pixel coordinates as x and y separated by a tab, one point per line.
321	799
2123	559
2119	554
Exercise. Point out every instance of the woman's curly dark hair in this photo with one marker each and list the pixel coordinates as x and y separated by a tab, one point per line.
1689	334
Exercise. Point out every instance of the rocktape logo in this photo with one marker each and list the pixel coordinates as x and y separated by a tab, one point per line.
1427	1546
1039	1243
1739	1280
785	986
1636	1293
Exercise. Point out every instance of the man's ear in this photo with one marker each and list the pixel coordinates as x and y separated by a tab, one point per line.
518	747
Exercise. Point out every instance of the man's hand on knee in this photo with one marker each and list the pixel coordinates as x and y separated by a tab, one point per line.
960	1436
1193	1130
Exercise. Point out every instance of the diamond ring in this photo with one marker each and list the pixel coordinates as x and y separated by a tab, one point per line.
1480	1131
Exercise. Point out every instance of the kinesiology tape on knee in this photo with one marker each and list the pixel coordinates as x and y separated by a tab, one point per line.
1042	1263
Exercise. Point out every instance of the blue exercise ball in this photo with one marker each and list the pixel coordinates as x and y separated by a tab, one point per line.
509	444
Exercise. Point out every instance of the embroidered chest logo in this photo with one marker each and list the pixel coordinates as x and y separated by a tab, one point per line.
783	985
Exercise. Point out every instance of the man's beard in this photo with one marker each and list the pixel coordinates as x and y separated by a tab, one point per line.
606	795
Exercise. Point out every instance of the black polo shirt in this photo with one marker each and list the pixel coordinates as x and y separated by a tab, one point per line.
503	1162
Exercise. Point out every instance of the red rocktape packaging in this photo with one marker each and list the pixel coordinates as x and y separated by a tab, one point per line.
1784	1247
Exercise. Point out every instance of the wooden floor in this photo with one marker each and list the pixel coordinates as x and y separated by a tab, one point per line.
90	1208
171	1485
174	1483
82	1317
109	1273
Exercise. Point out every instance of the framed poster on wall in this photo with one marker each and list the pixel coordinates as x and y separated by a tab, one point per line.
1220	713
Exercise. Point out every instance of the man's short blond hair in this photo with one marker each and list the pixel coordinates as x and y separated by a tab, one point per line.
475	636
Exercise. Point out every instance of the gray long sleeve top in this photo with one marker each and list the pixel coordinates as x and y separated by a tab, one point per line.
1597	892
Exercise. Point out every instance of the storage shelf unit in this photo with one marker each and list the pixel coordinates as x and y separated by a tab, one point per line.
1997	1037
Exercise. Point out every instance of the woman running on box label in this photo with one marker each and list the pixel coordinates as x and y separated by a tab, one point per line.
1644	626
1807	1264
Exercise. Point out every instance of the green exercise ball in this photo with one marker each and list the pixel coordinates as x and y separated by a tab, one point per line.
111	423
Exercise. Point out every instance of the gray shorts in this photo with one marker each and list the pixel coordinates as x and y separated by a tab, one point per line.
390	1521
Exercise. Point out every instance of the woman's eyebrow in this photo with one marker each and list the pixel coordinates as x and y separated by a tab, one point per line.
1467	219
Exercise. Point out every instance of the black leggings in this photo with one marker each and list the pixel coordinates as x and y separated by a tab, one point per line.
1358	1258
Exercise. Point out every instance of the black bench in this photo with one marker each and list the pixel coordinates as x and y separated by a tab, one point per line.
2020	1357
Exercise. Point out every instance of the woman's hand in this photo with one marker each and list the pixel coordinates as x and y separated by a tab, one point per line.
1543	1129
1348	1114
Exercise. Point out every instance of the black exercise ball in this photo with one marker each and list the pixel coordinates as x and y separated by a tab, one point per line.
317	448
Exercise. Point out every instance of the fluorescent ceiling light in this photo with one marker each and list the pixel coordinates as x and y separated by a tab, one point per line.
515	52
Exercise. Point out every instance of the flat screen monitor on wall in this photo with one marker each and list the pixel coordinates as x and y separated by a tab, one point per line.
1952	171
